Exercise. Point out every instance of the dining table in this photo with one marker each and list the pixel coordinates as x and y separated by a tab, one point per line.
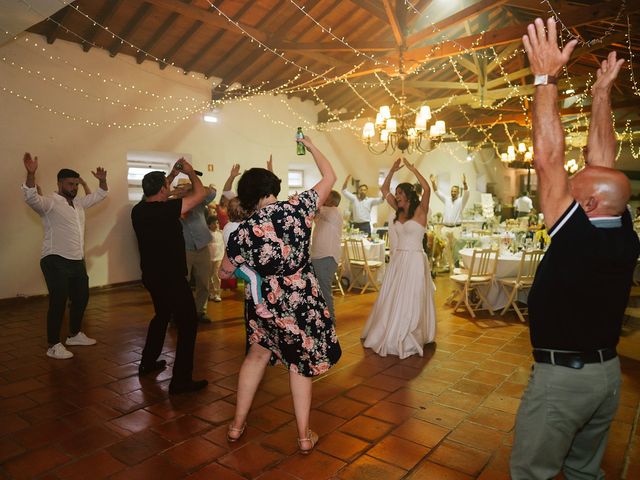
508	264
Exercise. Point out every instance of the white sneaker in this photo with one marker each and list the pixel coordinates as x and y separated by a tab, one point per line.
59	352
80	339
217	298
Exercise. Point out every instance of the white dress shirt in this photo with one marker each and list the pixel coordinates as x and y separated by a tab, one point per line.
216	246
453	208
327	234
523	204
63	224
361	209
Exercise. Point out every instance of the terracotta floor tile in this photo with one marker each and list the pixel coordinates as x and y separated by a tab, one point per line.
385	382
459	400
343	407
43	433
411	398
421	432
276	475
217	412
136	448
96	466
217	472
315	466
390	412
493	418
368	429
88	440
483	376
47	411
433	471
343	446
323	423
9	449
477	436
402	371
474	388
428	385
282	440
35	462
11	424
14	389
16	404
156	467
398	451
268	418
500	402
481	348
511	389
137	421
371	469
181	428
194	453
458	365
460	457
365	394
488	474
250	459
441	415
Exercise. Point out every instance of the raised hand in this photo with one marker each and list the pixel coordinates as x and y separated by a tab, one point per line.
306	141
31	164
607	73
432	178
235	170
270	163
410	166
100	174
183	166
545	57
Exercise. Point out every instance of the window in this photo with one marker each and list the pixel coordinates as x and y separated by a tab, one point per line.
141	163
296	179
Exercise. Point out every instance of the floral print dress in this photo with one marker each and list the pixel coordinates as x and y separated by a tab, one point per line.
274	242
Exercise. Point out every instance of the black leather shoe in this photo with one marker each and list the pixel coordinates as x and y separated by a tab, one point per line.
192	386
154	367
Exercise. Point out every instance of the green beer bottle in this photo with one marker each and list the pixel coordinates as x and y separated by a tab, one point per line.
300	148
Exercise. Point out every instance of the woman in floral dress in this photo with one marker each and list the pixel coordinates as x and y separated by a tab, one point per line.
274	241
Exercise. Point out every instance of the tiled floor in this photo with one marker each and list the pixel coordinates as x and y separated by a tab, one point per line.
448	415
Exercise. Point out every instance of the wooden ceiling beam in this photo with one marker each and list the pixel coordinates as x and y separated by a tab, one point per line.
216	37
108	10
372	8
208	18
577	17
56	20
436	85
168	56
455	19
334	47
393	22
508	50
149	44
143	11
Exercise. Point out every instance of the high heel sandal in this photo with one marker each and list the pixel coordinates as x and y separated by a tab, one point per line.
233	429
312	437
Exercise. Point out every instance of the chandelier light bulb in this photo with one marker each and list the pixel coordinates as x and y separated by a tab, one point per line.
522	147
385	112
384	136
421	122
391	125
369	130
425	112
440	127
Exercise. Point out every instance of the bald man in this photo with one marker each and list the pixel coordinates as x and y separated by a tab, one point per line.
581	288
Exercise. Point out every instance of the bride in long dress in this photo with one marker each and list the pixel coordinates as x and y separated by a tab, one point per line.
403	318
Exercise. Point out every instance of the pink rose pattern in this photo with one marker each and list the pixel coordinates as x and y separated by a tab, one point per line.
275	242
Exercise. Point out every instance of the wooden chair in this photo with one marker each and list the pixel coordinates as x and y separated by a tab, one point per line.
481	272
337	284
358	259
387	246
523	281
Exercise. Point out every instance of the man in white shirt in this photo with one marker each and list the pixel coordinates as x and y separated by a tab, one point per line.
326	246
452	217
523	205
62	259
361	206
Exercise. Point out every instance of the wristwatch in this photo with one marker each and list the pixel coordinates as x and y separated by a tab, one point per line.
544	80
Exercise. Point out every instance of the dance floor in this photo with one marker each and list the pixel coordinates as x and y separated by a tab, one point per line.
448	415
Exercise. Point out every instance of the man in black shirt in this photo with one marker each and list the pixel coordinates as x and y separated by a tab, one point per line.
581	288
156	221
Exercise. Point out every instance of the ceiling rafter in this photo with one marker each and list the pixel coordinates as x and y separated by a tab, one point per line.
143	11
57	19
107	11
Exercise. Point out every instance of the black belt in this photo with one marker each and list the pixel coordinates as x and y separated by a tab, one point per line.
452	224
573	359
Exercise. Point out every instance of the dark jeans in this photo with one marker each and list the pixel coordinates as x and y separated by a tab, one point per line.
172	298
66	279
363	227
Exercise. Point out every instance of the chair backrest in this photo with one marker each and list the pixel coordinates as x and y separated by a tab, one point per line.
483	262
355	250
529	264
385	239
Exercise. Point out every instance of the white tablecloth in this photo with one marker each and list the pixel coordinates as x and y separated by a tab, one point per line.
508	264
374	252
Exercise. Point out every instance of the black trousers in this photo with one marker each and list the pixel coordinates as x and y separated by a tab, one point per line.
66	279
172	298
363	227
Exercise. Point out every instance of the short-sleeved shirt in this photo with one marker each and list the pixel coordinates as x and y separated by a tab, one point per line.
274	242
582	285
194	225
453	208
327	234
159	233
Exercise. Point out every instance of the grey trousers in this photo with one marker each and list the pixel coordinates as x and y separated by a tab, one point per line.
199	264
325	269
563	421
